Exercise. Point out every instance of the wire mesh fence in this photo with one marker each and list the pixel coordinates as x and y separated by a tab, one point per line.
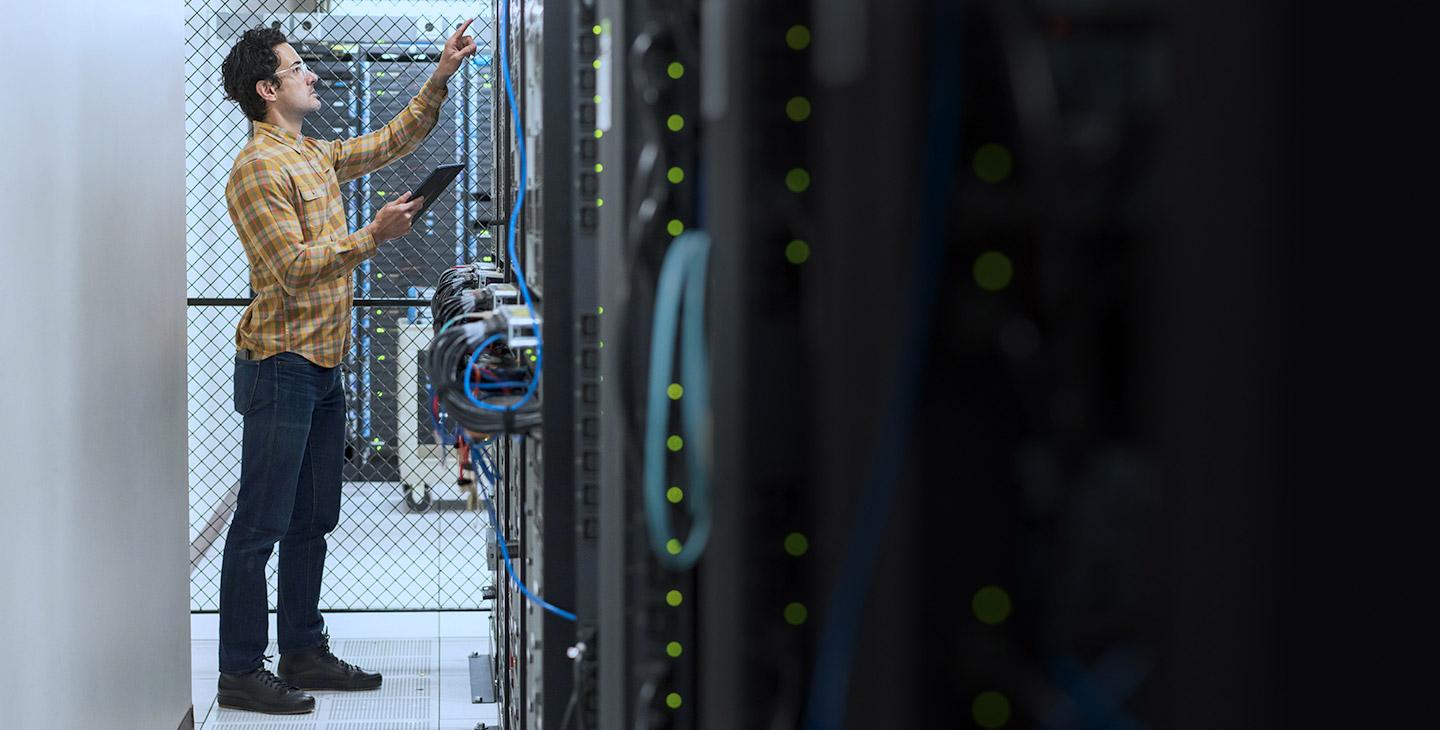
408	538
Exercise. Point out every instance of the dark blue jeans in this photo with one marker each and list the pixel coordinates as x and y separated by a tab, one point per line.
291	457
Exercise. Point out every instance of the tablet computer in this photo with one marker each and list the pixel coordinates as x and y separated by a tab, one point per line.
434	185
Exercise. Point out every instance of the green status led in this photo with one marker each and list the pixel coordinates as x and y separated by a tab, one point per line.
675	122
674	494
675	70
991	709
797	180
798	109
673	546
675	175
993	163
991	604
796	544
674	649
674	227
797	252
672	701
797	37
674	443
795	613
674	598
993	271
675	391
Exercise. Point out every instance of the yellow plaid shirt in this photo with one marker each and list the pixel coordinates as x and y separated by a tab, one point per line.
284	199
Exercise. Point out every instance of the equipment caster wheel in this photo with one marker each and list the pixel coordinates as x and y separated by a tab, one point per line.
417	499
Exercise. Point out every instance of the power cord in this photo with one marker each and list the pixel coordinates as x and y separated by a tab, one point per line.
475	457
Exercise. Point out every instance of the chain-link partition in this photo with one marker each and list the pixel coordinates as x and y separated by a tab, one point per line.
408	538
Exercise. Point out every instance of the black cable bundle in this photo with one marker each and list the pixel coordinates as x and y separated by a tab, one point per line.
450	354
458	292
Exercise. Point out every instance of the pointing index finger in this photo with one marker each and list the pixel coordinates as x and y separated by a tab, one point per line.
463	26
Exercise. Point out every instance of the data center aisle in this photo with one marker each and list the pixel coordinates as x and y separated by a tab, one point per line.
423	655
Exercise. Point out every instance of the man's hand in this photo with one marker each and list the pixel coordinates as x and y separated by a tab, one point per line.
457	49
393	221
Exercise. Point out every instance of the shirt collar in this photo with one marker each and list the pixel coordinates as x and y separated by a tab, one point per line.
279	134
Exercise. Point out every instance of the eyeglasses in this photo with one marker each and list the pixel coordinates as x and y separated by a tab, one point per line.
296	70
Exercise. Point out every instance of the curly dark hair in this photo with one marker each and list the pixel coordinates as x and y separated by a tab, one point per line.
250	61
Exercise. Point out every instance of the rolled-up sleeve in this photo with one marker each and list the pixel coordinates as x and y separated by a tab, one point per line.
403	135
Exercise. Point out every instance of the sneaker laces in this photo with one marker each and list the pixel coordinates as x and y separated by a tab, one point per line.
324	649
268	677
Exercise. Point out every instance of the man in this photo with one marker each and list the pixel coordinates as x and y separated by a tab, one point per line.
284	199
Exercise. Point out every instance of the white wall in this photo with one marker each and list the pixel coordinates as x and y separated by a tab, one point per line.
93	550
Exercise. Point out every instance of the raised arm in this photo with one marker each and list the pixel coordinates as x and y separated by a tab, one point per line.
403	135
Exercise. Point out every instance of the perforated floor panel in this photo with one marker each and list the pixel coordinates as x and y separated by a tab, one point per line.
426	687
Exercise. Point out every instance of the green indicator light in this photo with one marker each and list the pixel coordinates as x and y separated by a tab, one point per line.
597	98
795	614
599	167
487	259
602	344
674	443
533	358
486	85
675	175
674	649
675	70
797	37
379	394
797	252
599	134
796	544
675	391
674	227
600	309
991	604
797	180
599	202
378	312
674	598
993	271
993	163
380	330
991	709
674	494
798	108
381	193
672	701
672	546
595	63
382	357
675	122
596	29
379	276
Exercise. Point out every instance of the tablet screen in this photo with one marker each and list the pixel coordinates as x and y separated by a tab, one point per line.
436	183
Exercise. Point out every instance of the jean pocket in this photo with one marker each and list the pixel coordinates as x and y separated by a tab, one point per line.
247	381
289	358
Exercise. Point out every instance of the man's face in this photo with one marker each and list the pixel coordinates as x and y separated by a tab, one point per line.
295	86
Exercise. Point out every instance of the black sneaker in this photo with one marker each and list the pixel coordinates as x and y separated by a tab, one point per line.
318	669
261	691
